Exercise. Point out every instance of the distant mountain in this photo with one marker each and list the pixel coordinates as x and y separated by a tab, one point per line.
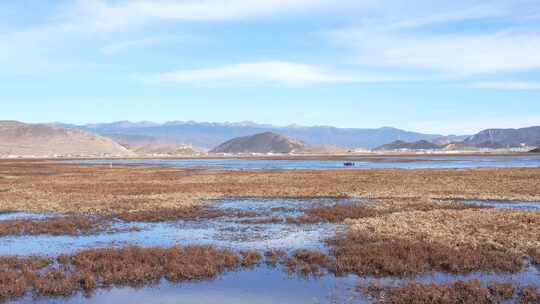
449	139
266	142
402	145
503	138
168	150
43	140
209	135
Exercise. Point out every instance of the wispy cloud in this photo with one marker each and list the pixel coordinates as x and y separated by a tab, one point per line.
417	35
507	85
462	54
107	15
126	45
267	72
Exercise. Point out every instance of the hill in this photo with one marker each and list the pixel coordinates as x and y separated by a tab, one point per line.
19	139
168	150
403	145
209	135
266	142
503	138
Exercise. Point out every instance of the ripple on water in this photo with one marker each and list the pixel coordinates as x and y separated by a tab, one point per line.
224	232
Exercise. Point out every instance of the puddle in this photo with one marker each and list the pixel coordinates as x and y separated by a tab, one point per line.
266	285
517	205
6	216
226	232
262	285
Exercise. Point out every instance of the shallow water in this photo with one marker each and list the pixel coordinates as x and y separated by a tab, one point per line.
272	285
224	232
261	285
405	162
517	205
6	216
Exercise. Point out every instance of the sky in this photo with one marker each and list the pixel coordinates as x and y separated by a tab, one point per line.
447	67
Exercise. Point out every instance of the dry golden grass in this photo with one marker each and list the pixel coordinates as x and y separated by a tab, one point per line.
375	208
367	255
498	229
67	188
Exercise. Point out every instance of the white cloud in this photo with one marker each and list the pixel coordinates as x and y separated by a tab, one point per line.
106	15
507	85
461	54
268	72
430	36
122	46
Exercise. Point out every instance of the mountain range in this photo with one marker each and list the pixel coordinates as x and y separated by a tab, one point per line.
210	135
125	139
502	138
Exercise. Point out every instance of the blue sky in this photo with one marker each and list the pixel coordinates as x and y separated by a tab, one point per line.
421	65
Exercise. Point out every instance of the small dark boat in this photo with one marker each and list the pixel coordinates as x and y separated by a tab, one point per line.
348	164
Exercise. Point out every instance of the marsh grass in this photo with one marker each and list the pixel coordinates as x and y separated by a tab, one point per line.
192	213
366	255
70	225
69	188
534	255
131	266
340	212
465	292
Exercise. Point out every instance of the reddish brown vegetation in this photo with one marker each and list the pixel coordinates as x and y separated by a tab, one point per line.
250	258
503	291
73	225
340	212
16	274
133	266
534	254
266	220
161	215
365	255
275	256
470	292
529	295
308	263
